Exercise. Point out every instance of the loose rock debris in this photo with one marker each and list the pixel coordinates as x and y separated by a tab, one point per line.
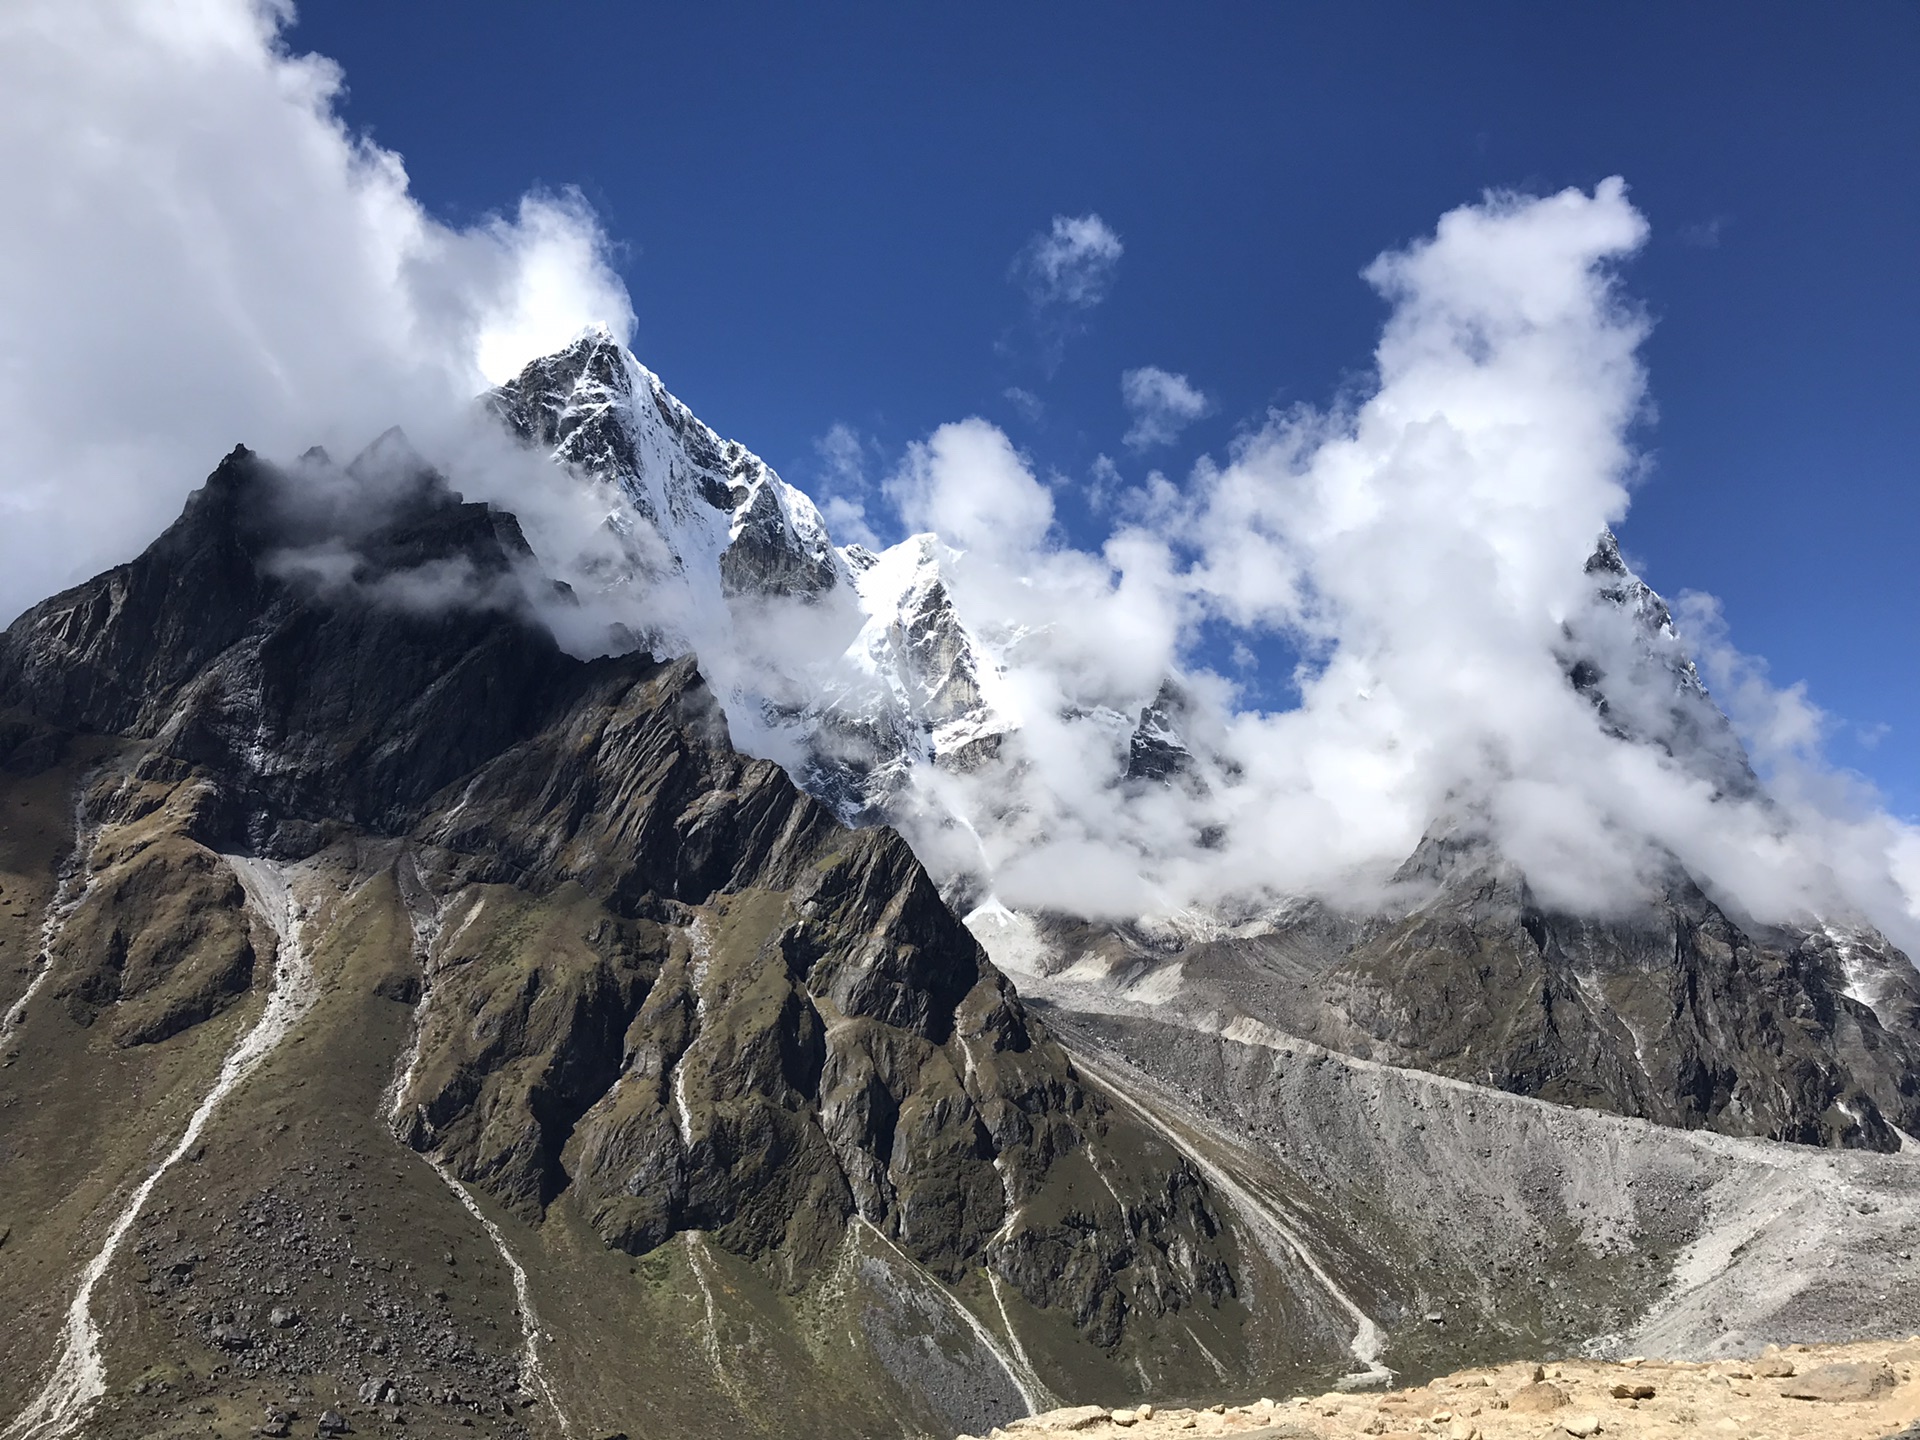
1865	1391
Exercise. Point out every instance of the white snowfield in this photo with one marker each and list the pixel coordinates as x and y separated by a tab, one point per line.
79	1372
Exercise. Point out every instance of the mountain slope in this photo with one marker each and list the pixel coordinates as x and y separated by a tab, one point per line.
354	882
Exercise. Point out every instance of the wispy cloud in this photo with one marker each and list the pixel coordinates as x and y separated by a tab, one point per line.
1161	403
1066	271
843	488
1072	263
1705	235
1030	405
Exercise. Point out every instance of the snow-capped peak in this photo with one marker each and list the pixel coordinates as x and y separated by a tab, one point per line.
886	676
719	509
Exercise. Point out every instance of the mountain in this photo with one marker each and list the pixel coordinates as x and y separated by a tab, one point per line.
384	962
901	679
1683	1014
1682	1011
410	1024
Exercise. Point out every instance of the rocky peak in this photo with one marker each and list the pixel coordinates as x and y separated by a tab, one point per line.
722	513
1625	656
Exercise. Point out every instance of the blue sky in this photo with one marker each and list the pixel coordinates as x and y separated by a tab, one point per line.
820	209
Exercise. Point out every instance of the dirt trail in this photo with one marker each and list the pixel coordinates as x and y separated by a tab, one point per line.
79	1373
1862	1391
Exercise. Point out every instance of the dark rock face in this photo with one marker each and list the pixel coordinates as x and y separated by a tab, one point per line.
660	982
1678	1014
306	707
1157	749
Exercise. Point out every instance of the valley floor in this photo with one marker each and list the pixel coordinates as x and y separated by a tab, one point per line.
1861	1391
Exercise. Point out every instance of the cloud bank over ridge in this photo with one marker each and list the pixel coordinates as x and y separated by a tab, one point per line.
1426	547
198	252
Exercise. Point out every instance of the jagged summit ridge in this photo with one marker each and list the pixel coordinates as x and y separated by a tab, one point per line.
719	509
1631	638
906	682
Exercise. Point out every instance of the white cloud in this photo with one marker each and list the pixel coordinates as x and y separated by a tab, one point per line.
968	485
1424	545
1162	404
1030	405
1072	263
844	488
198	253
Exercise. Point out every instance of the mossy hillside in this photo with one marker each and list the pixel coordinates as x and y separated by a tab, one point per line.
528	1003
301	1198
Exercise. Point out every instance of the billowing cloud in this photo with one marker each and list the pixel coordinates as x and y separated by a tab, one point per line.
1161	404
1425	547
199	253
1072	263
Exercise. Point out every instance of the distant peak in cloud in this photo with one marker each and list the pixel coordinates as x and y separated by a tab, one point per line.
1161	403
1072	263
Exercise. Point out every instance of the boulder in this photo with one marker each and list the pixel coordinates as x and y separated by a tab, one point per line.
1846	1381
1540	1398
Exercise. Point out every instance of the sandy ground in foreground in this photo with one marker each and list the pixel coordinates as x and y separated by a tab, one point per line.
1872	1390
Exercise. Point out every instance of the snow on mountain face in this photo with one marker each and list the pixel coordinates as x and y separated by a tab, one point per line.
721	511
1631	663
860	667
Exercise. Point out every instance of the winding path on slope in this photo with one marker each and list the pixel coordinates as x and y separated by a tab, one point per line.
1369	1340
79	1373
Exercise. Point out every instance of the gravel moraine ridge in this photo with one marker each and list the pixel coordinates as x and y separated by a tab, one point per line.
1865	1391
